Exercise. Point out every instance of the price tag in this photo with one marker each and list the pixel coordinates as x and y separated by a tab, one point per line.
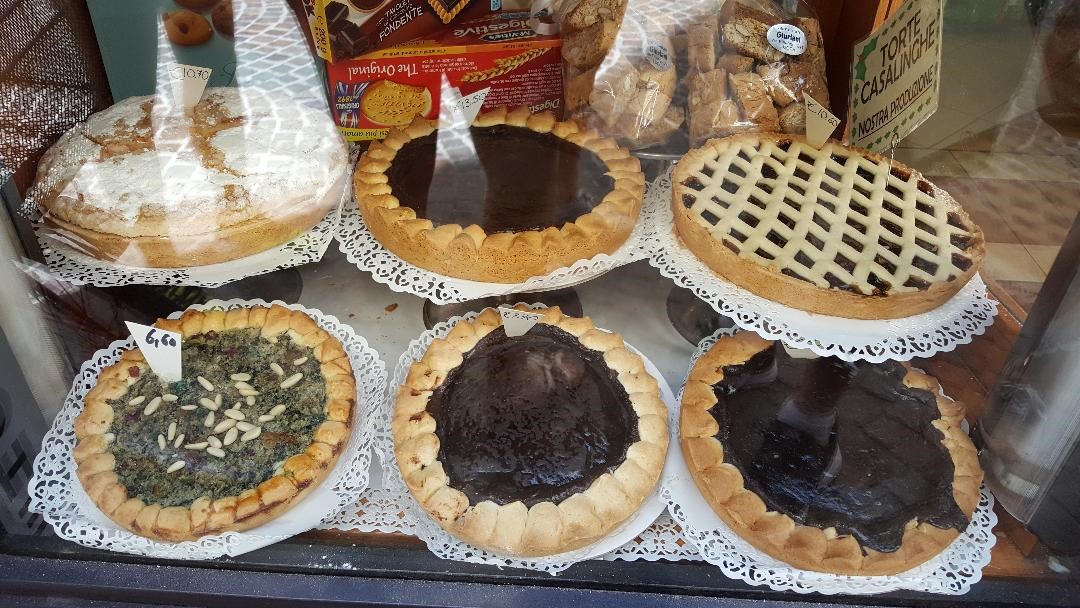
457	111
787	39
188	84
820	122
161	349
518	322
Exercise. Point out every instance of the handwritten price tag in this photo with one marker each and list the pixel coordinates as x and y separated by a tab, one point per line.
160	348
820	122
457	111
518	322
188	83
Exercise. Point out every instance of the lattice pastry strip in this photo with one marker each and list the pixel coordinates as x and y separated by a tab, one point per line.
832	217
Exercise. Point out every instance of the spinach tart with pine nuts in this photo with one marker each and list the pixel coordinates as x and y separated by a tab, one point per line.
516	195
260	417
530	445
848	468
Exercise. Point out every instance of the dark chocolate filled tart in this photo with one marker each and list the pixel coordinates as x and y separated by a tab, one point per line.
530	445
514	196
848	468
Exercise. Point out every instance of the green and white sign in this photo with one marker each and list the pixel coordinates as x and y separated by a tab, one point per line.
896	76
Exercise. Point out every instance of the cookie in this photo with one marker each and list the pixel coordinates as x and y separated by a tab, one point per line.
588	12
754	101
646	108
662	80
706	88
749	37
735	63
448	9
391	103
786	82
812	28
793	118
578	88
222	16
782	94
701	45
586	48
186	28
661	130
718	119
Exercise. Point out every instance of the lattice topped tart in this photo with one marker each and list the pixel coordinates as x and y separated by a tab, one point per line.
516	195
849	468
530	445
836	230
258	420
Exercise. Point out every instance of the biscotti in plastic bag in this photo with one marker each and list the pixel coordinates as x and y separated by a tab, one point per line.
619	69
748	67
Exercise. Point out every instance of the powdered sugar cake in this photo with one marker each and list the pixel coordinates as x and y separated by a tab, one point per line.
145	184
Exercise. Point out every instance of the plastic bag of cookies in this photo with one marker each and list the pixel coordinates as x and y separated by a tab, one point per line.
748	67
620	75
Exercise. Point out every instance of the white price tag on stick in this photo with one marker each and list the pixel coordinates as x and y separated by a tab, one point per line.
518	322
188	84
457	111
820	122
161	349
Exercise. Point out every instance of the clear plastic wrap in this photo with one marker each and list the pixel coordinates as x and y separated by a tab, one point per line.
673	69
621	79
146	183
748	66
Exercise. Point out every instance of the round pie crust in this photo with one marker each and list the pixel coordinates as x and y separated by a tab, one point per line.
774	533
298	476
468	252
545	528
145	185
768	282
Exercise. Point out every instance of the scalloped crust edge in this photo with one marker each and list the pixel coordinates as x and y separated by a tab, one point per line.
776	534
301	473
506	257
545	528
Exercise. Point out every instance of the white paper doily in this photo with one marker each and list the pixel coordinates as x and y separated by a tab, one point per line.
362	249
379	509
391	508
80	269
956	322
952	572
56	493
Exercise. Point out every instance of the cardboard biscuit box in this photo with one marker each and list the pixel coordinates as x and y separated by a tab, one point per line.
342	29
386	88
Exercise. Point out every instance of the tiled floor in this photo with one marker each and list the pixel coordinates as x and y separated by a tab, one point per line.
1005	141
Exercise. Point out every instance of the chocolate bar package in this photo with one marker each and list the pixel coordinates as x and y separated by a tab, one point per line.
343	29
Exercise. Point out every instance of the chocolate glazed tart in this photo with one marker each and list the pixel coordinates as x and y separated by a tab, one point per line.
847	468
537	195
530	445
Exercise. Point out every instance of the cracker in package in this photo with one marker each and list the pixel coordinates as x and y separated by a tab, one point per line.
628	93
588	29
765	57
